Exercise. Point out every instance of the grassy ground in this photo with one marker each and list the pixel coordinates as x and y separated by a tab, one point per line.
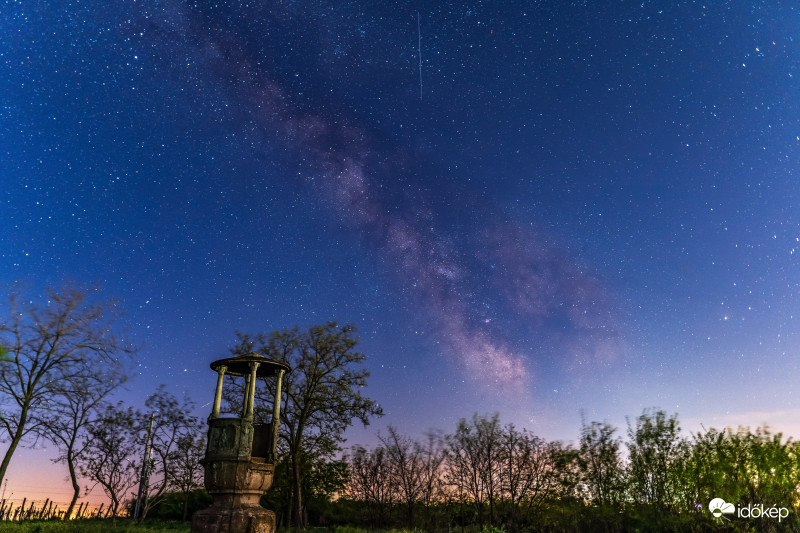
149	526
128	526
94	526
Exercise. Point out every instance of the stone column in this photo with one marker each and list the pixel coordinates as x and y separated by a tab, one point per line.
218	395
276	415
250	399
247	385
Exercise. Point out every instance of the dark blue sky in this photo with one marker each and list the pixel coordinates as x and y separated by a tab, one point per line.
586	207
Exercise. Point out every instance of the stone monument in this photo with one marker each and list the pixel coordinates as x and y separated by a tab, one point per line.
240	455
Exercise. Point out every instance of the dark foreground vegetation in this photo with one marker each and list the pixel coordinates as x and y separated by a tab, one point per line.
487	475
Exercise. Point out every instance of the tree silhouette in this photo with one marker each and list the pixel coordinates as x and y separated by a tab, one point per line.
46	347
109	459
65	421
173	425
474	460
654	449
186	473
322	394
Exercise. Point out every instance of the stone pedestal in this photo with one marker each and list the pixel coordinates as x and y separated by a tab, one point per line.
242	520
237	486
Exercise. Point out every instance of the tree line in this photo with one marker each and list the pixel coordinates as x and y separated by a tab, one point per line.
61	363
489	475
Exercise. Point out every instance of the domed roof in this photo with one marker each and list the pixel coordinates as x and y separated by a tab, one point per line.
240	366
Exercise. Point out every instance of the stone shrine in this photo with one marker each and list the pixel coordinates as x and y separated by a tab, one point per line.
240	454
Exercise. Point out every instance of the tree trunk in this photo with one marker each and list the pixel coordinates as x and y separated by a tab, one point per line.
297	501
76	489
145	508
287	517
23	418
113	508
185	505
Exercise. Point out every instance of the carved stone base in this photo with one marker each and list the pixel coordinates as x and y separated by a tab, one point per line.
243	520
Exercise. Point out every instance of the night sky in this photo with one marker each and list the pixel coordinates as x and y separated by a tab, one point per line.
569	206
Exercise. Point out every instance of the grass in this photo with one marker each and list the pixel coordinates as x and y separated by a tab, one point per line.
125	525
122	525
347	529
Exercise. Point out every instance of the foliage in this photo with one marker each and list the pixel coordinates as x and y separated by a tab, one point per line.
545	486
178	505
655	448
600	465
371	482
4	354
406	468
322	396
665	485
745	467
112	453
321	480
484	473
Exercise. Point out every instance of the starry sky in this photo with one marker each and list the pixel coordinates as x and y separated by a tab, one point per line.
537	208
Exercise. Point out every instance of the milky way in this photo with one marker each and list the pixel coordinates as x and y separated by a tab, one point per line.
558	303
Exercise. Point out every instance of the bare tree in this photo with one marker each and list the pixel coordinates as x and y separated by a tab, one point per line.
46	347
109	459
527	471
371	482
70	411
407	469
432	454
186	473
474	462
172	423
